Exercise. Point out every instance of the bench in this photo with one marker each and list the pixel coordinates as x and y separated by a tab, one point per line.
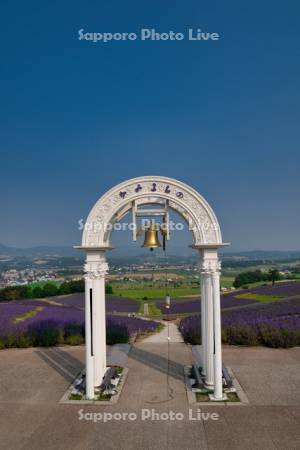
227	377
199	382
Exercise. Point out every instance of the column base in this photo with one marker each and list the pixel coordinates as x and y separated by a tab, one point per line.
212	398
90	395
209	386
99	384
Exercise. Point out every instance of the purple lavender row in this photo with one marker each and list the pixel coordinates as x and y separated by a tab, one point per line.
61	316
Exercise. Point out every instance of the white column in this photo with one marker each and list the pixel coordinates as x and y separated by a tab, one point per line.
100	329
89	358
218	390
96	268
98	298
203	331
210	272
209	329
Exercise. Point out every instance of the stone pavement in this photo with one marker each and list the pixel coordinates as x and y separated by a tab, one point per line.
32	381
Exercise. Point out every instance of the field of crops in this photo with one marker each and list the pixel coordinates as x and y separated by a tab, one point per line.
113	303
156	293
235	299
30	323
189	306
274	324
265	314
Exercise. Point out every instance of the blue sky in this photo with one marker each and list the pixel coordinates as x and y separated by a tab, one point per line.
78	117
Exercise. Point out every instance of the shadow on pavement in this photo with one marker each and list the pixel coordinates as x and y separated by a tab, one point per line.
63	363
158	362
68	366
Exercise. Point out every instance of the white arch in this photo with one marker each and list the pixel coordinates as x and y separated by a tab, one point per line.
111	208
116	202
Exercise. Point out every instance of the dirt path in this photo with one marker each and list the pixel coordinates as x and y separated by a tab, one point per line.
170	329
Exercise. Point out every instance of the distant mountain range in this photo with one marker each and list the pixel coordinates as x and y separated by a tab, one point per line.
270	255
39	251
132	251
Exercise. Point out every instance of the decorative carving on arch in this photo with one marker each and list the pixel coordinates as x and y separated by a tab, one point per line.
113	205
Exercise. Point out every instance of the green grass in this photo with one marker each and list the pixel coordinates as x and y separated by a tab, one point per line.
76	397
154	310
28	314
102	397
232	397
152	307
226	282
260	298
202	397
154	293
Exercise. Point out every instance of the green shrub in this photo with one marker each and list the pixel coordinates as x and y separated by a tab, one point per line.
44	334
15	293
240	335
108	289
49	290
65	288
76	285
23	341
37	292
2	343
74	329
74	340
278	337
10	341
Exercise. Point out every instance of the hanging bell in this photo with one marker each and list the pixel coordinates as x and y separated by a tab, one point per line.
151	238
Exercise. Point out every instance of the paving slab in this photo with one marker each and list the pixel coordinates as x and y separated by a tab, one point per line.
32	381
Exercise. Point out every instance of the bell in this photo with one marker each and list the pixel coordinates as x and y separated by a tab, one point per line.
151	238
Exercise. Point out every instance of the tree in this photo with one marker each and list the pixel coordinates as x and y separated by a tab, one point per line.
77	285
109	289
15	293
65	288
244	278
49	290
37	292
274	275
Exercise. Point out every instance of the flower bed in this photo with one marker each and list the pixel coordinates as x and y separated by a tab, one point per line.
271	324
112	303
52	325
286	289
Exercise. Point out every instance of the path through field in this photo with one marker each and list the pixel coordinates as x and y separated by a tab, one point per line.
171	329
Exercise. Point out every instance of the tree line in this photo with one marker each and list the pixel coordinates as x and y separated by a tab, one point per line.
254	276
49	289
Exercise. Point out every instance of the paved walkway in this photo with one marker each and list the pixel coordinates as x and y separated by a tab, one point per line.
32	381
170	329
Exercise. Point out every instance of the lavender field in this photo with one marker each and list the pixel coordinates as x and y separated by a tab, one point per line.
273	324
189	306
113	303
232	299
286	289
30	323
